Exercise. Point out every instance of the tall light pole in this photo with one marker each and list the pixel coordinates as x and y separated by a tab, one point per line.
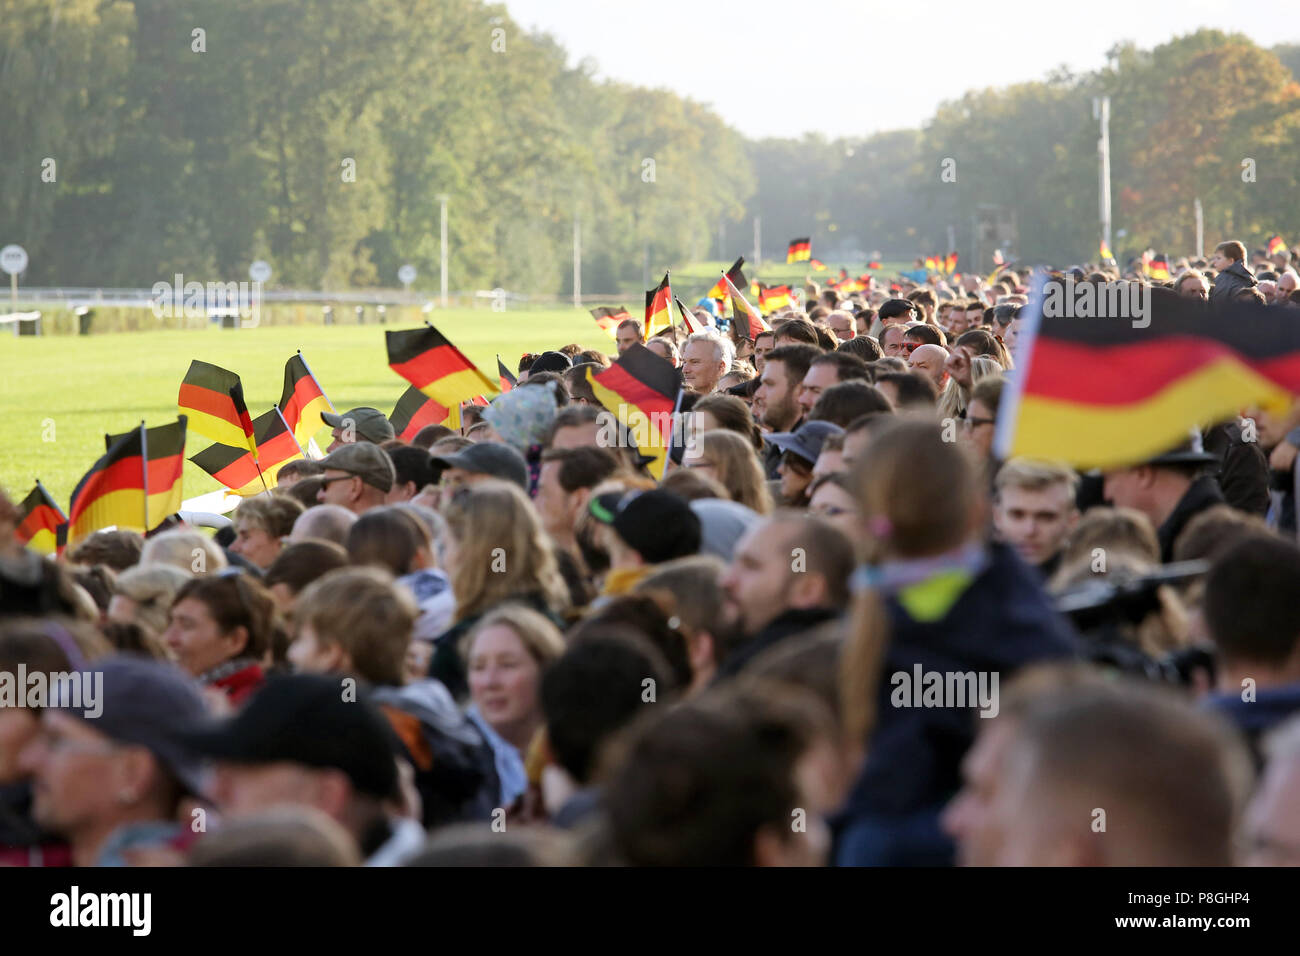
758	241
442	198
577	261
1101	112
1200	229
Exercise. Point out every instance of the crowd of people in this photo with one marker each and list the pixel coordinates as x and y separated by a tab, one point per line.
837	630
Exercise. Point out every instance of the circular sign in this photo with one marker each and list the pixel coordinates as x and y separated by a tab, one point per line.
259	271
13	259
407	274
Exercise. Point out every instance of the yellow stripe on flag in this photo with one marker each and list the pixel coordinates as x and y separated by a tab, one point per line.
642	429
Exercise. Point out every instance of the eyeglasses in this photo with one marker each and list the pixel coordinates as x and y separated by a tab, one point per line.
973	423
325	482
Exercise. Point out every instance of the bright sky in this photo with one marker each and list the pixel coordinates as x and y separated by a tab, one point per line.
853	67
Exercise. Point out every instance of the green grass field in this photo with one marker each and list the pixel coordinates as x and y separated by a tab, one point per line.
59	395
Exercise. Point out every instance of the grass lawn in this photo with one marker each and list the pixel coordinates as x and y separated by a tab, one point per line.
59	395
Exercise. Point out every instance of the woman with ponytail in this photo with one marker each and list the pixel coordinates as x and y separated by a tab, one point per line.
940	617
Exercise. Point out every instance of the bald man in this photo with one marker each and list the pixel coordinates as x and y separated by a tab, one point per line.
930	359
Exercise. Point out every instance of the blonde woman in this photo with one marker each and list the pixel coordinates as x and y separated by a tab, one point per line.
495	553
729	459
508	651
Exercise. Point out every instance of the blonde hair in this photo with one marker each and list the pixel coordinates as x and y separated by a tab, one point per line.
503	551
362	611
274	514
918	497
540	638
738	469
152	588
1035	475
191	551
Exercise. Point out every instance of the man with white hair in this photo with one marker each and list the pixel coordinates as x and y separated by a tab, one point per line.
706	356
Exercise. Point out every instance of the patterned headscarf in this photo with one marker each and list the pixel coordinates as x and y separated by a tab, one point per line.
523	415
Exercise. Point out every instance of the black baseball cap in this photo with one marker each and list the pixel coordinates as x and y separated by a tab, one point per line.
657	524
550	362
307	719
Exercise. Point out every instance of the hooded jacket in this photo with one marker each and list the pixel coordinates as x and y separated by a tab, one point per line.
1001	621
1201	494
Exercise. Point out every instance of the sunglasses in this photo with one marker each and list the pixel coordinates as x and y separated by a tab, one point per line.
911	347
325	482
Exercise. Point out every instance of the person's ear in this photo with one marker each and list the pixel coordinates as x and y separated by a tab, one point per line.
808	590
237	640
770	847
333	792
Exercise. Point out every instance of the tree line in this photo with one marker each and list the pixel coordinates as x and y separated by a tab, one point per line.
144	138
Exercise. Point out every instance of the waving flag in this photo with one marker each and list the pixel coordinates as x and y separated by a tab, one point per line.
164	454
112	493
1276	245
1106	254
817	265
658	307
950	264
688	318
212	399
609	318
239	471
1106	392
1158	268
641	390
736	276
39	518
302	400
771	298
428	360
799	250
413	411
507	380
746	322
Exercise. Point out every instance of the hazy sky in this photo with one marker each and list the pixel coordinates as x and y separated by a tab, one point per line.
845	68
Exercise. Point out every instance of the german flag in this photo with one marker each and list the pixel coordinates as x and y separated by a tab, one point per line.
950	264
1159	268
164	447
641	390
1106	254
689	320
658	307
745	319
39	518
852	285
1100	393
799	250
432	364
507	380
771	298
112	493
932	263
1276	245
817	265
302	400
874	264
414	410
736	276
609	318
212	398
235	467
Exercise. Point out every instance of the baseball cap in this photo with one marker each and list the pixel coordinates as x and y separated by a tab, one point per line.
806	441
370	423
368	462
656	524
142	702
722	525
550	362
489	458
303	719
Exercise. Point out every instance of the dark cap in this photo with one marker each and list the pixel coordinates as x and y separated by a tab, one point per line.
1189	452
656	524
550	362
489	458
368	462
806	441
305	719
141	701
370	423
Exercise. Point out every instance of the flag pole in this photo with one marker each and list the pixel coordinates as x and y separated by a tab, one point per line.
144	467
316	380
283	422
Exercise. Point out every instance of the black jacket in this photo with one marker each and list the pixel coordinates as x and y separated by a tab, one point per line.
1201	494
1243	472
1231	281
787	624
